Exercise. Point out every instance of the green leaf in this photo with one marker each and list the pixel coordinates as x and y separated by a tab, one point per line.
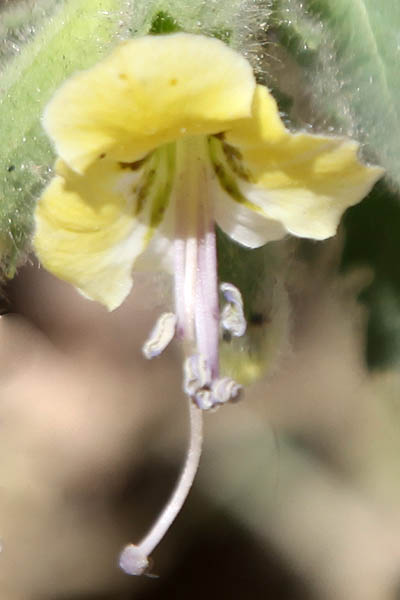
19	22
163	23
76	36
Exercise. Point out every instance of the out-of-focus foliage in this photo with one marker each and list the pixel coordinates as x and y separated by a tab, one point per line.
373	238
261	275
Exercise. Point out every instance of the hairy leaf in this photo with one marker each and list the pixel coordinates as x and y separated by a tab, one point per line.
75	36
349	51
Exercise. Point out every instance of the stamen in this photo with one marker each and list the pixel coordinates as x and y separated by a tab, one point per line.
134	558
221	391
225	390
196	374
160	336
232	316
204	399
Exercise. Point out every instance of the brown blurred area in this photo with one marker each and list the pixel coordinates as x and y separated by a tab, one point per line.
298	492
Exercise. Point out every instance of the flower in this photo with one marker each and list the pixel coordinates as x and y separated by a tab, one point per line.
157	143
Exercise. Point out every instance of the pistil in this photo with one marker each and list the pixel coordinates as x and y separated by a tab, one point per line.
134	558
207	309
196	304
196	324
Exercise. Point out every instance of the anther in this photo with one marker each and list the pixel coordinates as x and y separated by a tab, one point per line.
225	389
160	336
196	374
204	399
221	391
232	316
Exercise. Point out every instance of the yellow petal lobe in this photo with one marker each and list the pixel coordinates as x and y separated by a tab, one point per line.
91	228
304	181
148	92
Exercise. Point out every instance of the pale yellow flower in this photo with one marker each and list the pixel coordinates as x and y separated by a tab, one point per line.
157	143
170	116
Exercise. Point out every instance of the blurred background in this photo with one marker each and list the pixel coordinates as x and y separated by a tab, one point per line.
298	492
297	497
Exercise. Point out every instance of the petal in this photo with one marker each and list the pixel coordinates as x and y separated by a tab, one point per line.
263	127
244	224
304	181
242	220
90	229
159	254
148	92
